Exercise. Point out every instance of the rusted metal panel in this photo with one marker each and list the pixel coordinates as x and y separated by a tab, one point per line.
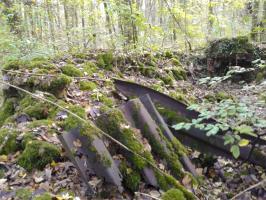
193	137
147	102
85	157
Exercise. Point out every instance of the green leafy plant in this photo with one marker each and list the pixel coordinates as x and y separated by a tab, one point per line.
233	70
234	118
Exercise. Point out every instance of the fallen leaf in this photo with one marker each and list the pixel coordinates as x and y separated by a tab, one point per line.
3	158
243	142
186	180
77	143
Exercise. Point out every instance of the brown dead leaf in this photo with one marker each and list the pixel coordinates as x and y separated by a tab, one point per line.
186	181
77	143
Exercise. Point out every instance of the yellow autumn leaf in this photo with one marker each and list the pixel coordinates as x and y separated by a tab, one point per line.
243	142
53	164
3	158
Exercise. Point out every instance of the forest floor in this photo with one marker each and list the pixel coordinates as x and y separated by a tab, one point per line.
223	178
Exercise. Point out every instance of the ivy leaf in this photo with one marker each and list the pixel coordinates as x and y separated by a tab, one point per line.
261	123
200	126
229	139
223	127
187	126
179	126
245	129
213	131
235	151
208	127
237	137
243	142
193	107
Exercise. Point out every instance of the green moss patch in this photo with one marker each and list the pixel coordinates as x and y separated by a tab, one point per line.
14	64
112	123
90	68
38	154
105	60
71	70
167	79
131	178
87	85
23	194
37	109
8	140
57	85
171	116
106	100
169	154
71	121
148	71
173	194
45	196
6	110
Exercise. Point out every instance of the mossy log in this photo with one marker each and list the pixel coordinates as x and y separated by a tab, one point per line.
90	156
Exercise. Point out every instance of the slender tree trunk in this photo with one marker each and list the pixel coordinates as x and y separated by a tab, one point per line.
66	22
255	23
83	23
51	22
12	16
263	35
108	22
210	20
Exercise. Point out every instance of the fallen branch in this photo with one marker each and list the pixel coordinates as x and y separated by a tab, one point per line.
249	188
147	195
54	75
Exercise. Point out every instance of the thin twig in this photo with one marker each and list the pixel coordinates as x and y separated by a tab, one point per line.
249	188
54	75
147	195
89	123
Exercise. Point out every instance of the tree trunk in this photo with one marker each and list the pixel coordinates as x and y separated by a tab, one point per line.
255	23
51	23
210	21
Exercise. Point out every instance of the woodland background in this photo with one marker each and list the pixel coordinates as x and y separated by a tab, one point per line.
32	28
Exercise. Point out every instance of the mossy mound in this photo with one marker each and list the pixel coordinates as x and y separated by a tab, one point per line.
87	85
38	62
7	109
219	96
105	60
38	154
37	110
173	194
167	79
230	52
149	71
71	70
71	121
58	85
8	140
90	68
226	47
45	196
23	194
131	178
